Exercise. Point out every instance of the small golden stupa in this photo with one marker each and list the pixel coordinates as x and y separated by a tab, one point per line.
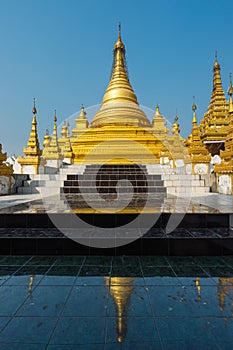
65	145
175	144
213	126
47	138
32	160
199	156
120	132
52	152
158	124
160	130
4	168
81	124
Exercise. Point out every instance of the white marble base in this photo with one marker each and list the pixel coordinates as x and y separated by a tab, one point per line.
28	169
54	163
225	184
6	184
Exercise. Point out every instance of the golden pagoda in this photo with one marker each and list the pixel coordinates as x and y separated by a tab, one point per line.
120	132
52	152
81	124
121	289
213	127
31	162
160	130
224	170
199	156
158	124
5	169
65	145
47	138
6	179
175	144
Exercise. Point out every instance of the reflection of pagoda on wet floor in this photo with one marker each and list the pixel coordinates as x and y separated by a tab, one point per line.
121	289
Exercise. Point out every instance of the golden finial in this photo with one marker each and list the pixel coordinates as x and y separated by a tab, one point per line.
34	111
175	126
230	90
230	93
119	44
55	116
157	111
216	64
47	132
119	29
82	112
194	106
176	117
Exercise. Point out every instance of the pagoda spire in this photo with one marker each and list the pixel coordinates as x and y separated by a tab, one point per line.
194	107
213	126
32	151
225	168
119	87
65	145
81	124
176	126
52	152
217	82
119	105
199	156
33	141
230	93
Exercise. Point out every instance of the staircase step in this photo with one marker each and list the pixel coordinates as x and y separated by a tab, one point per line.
112	189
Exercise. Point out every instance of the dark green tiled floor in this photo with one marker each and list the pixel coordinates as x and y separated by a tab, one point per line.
61	303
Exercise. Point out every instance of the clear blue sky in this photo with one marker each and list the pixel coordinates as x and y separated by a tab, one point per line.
60	51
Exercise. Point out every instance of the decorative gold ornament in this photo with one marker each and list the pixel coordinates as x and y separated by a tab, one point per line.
199	156
213	126
32	160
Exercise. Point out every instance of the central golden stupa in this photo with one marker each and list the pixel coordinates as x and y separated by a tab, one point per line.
120	131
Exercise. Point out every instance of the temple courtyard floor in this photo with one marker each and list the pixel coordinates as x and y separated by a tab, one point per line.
166	290
126	302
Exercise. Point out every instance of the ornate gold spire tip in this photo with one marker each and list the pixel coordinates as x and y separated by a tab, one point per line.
119	44
194	106
34	111
216	64
55	116
119	29
230	90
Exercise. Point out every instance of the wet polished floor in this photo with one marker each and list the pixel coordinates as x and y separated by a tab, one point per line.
36	204
124	302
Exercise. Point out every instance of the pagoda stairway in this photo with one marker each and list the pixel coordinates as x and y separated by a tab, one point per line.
113	186
113	179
